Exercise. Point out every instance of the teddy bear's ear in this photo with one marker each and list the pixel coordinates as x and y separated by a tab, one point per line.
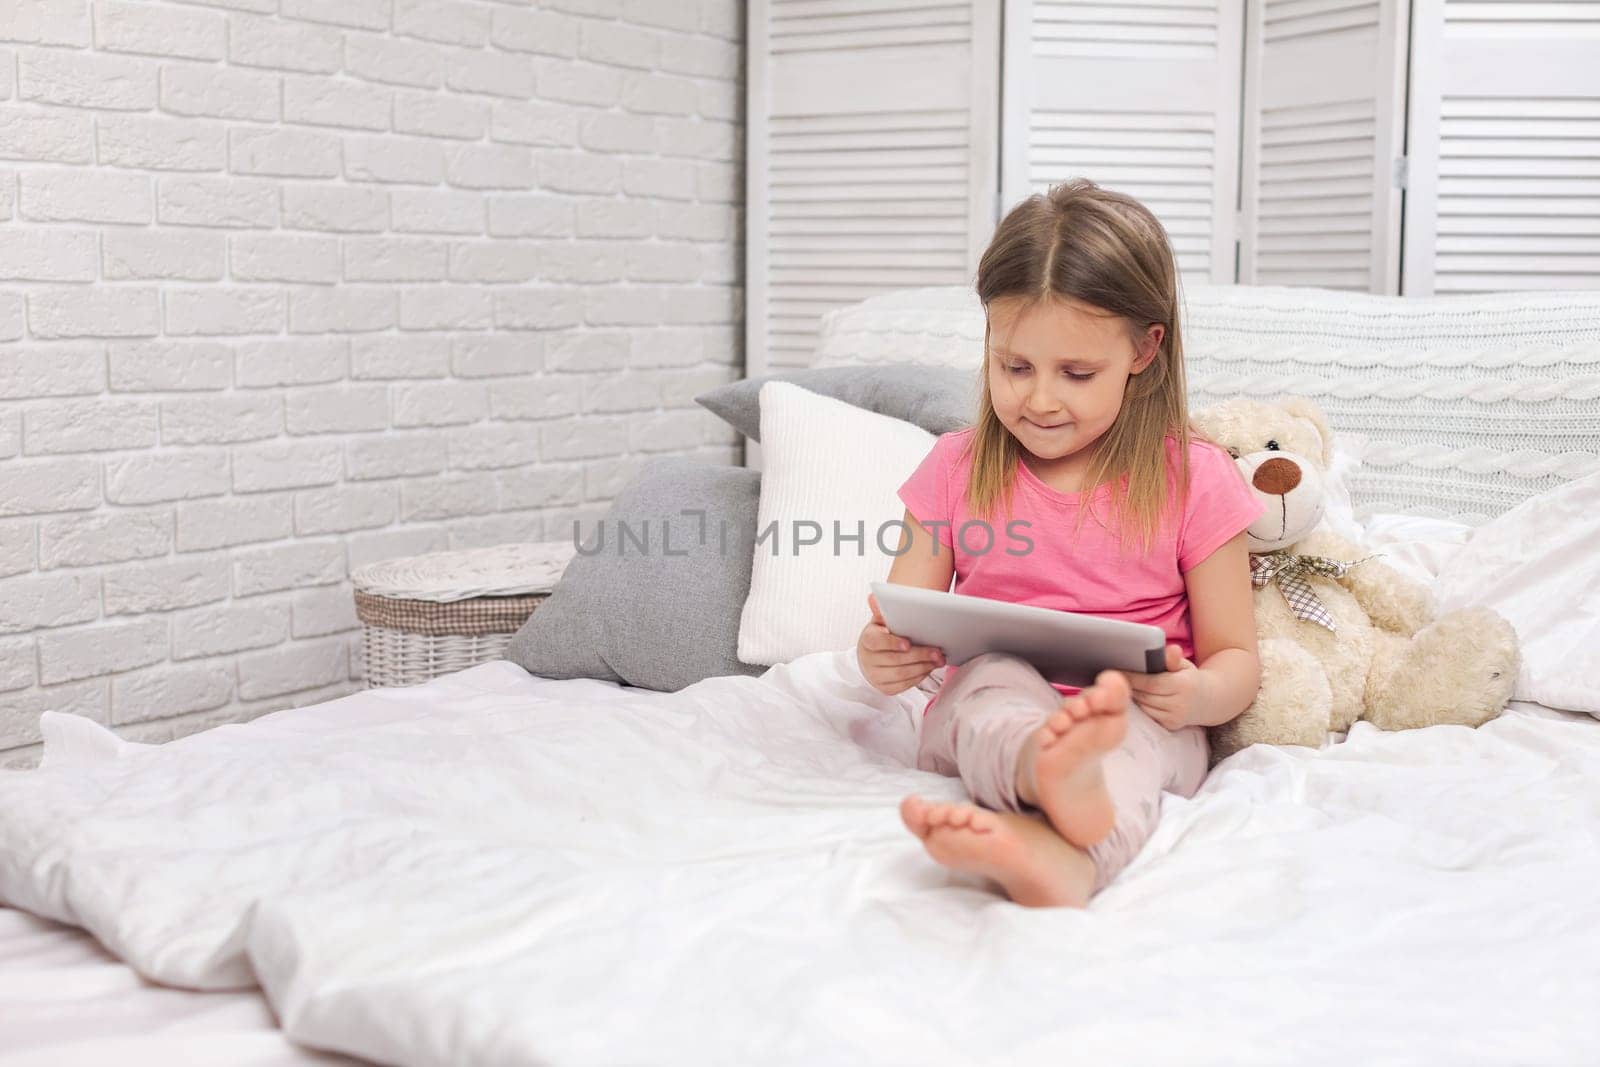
1301	408
1215	420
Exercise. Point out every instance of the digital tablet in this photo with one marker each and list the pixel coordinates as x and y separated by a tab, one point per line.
1065	647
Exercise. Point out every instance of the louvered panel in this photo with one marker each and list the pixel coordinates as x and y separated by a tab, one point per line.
859	203
1165	160
1313	221
1143	30
1506	170
1320	170
1518	193
1582	16
1287	19
872	141
857	218
929	189
783	13
852	39
1140	97
1322	124
841	25
1479	222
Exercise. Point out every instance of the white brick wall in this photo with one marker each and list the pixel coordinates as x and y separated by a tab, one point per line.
288	286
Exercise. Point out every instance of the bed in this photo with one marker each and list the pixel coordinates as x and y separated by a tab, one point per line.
500	868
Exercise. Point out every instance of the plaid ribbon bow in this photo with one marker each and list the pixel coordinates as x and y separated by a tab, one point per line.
1290	572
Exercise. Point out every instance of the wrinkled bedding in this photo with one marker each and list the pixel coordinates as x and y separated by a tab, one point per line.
496	868
67	1002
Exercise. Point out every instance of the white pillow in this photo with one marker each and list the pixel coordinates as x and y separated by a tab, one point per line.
823	461
1537	565
1417	546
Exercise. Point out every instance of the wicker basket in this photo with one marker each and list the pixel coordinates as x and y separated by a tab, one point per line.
423	616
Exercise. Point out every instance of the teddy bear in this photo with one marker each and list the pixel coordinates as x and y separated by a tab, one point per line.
1342	636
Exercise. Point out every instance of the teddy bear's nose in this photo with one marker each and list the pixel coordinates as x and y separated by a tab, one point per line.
1276	476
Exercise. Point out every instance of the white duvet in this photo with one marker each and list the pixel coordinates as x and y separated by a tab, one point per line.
500	869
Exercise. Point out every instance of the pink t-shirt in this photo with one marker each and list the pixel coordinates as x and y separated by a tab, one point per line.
1035	556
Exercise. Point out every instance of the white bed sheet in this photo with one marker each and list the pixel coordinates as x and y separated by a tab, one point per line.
67	1002
500	869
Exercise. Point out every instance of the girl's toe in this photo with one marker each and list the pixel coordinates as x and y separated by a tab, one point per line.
914	813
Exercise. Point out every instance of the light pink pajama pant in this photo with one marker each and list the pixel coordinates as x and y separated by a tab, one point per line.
976	728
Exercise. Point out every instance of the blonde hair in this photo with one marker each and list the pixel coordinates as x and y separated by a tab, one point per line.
1107	250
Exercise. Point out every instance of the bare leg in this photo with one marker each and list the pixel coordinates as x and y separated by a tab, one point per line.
1032	863
1059	769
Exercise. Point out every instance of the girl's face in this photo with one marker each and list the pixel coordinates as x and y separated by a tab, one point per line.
1057	373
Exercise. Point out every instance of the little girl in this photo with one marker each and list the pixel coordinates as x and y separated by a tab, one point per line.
1079	488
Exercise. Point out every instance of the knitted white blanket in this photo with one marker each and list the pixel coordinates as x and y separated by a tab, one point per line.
1468	404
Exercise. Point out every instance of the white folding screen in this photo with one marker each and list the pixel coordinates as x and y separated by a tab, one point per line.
1272	138
1504	147
872	143
1324	126
1141	96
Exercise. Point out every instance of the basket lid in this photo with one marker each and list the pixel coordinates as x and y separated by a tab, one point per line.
443	577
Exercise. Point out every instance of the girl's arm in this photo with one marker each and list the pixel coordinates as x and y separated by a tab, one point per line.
924	561
1222	611
1228	672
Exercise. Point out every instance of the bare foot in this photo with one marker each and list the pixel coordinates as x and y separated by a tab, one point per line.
1031	862
1059	769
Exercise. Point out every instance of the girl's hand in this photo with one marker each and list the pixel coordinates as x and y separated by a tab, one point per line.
1175	698
891	663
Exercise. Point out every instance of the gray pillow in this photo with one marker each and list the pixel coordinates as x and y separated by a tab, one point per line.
645	602
938	399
